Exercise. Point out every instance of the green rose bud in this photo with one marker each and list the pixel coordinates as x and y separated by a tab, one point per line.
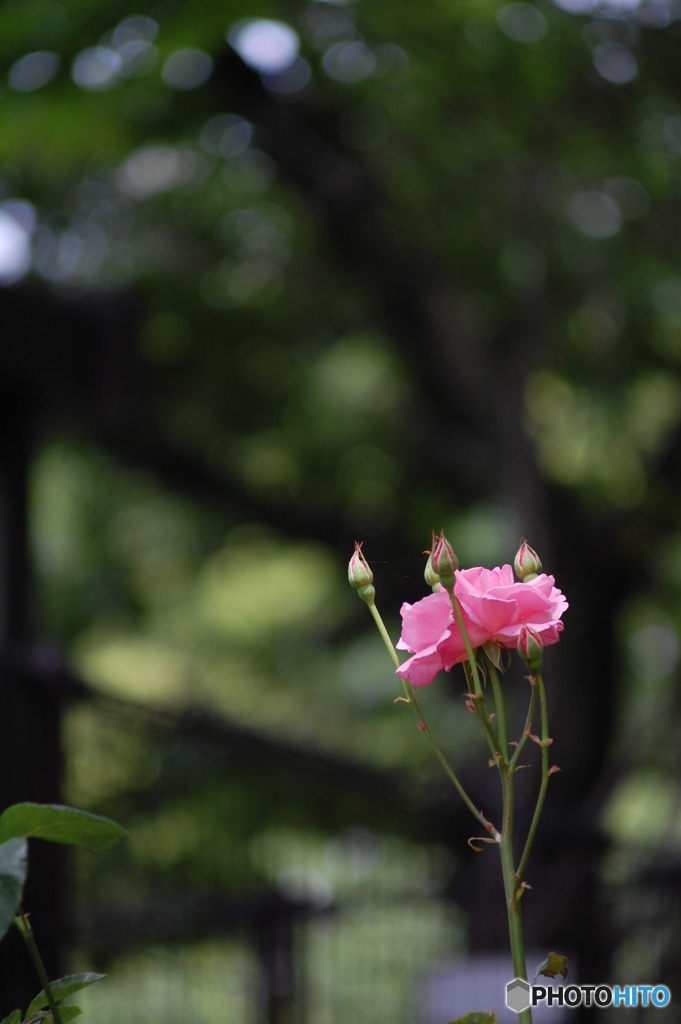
531	648
527	564
360	575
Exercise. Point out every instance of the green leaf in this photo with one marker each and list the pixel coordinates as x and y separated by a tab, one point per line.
13	867
554	964
69	1012
14	1018
66	1013
62	989
493	652
476	1017
59	824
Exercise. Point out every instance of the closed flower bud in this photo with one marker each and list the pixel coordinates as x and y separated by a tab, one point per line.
530	648
526	563
360	575
429	574
443	561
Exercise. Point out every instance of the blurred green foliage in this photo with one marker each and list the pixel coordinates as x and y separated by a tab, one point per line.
508	172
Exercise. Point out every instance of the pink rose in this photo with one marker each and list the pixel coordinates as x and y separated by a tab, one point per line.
494	607
494	601
430	631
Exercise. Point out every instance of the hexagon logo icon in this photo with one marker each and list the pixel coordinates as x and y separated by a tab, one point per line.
517	995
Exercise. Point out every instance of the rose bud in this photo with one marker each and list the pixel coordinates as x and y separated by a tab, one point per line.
527	564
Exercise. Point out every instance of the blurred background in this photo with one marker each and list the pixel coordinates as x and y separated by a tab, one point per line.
279	276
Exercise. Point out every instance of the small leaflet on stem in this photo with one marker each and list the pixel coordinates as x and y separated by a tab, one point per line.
554	965
476	1017
480	839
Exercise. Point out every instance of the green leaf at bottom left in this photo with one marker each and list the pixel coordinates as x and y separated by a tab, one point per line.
62	989
14	1018
13	867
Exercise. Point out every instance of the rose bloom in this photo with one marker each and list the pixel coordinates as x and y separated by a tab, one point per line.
495	607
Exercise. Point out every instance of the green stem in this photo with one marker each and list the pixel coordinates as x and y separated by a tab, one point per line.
410	698
500	710
478	703
528	725
466	640
449	771
473	674
23	926
511	887
545	775
385	636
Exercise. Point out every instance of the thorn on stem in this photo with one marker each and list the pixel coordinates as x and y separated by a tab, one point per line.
519	893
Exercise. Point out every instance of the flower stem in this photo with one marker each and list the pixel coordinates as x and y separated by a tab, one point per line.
449	771
478	706
515	926
545	743
500	711
410	698
23	926
528	724
512	889
466	640
385	636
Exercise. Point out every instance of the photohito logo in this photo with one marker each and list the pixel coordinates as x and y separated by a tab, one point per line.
520	995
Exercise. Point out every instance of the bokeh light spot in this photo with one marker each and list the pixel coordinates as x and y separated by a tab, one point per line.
136	28
188	68
349	62
264	44
33	71
98	67
16	224
226	135
522	22
292	80
154	169
615	63
595	214
584	6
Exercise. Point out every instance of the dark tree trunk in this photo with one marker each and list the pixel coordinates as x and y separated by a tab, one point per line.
30	751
